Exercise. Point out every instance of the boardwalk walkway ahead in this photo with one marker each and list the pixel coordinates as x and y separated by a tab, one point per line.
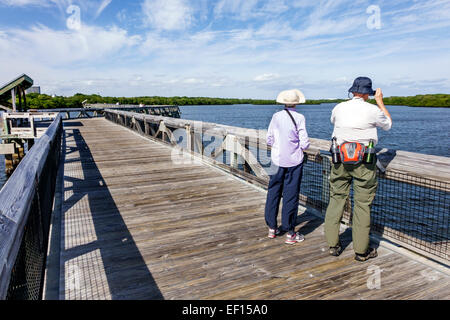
135	225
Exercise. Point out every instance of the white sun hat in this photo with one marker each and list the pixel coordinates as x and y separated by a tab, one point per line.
291	97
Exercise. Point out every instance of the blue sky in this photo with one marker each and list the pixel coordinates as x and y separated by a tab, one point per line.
226	48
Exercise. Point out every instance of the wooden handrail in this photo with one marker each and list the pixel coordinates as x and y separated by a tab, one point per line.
16	198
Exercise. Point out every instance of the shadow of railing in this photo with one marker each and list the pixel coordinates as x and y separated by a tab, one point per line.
126	271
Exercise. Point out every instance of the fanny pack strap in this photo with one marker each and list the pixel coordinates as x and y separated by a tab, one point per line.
305	156
292	118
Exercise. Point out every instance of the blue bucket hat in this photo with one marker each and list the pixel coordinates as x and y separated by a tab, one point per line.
362	85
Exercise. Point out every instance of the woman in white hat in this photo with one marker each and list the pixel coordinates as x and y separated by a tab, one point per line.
288	137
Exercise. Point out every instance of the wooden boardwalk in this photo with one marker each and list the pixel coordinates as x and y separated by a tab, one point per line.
136	225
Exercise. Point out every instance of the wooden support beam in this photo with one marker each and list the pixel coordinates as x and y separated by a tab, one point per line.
6	128
13	99
24	100
146	128
7	148
21	149
19	93
189	138
246	166
232	144
166	133
33	127
198	143
9	164
152	131
30	144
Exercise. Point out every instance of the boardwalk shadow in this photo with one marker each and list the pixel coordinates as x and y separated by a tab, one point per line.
127	274
73	124
308	222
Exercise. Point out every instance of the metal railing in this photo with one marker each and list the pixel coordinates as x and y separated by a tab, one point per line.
411	208
26	203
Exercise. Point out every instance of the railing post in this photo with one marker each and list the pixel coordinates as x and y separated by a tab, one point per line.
6	128
234	155
146	128
247	155
13	99
199	143
33	127
189	139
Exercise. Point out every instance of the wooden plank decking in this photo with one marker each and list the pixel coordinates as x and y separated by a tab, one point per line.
136	225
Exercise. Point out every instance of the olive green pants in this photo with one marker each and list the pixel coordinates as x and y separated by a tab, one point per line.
364	177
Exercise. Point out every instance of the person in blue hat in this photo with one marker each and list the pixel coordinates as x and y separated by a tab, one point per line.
355	126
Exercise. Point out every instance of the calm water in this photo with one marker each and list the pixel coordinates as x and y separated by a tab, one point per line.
422	130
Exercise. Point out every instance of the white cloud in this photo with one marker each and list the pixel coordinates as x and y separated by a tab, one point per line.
40	3
103	6
275	7
239	9
193	81
121	15
60	48
167	14
22	3
266	77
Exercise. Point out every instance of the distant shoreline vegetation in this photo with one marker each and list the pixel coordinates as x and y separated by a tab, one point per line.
43	101
425	100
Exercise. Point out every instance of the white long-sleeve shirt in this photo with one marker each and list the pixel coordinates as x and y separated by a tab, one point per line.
287	143
357	121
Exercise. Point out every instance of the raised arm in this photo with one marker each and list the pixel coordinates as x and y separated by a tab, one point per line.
385	122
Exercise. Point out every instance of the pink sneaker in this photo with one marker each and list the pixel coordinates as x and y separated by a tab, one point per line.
294	238
273	233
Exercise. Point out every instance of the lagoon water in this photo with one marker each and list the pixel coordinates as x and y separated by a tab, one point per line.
422	130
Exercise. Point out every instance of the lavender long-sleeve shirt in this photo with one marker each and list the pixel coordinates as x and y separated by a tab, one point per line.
287	143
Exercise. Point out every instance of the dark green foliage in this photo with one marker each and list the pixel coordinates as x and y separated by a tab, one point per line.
43	101
36	101
427	100
320	101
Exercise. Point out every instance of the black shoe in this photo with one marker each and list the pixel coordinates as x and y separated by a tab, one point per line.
336	251
370	253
